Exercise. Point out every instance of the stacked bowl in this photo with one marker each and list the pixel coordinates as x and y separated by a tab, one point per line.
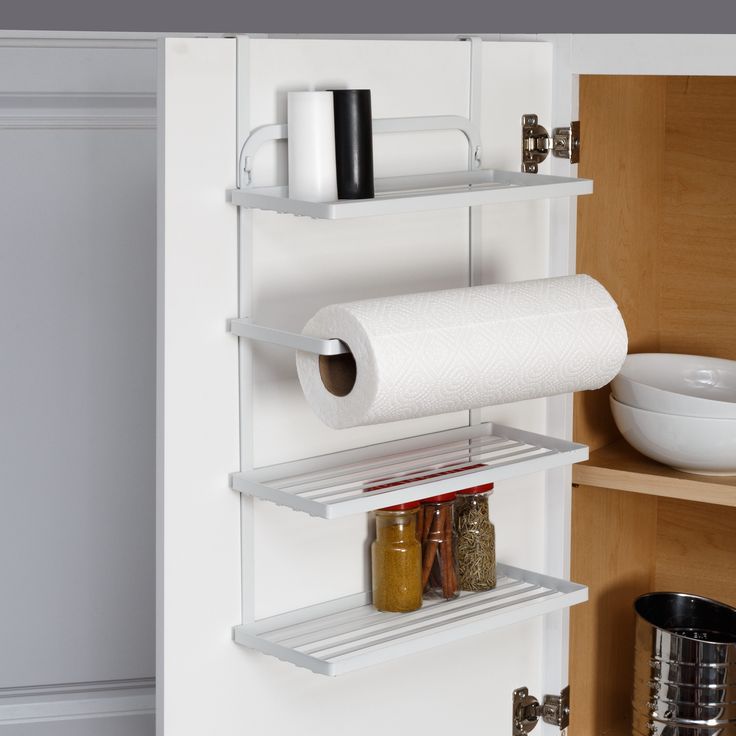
679	410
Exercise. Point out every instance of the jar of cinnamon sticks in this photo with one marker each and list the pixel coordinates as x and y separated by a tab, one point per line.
439	566
396	559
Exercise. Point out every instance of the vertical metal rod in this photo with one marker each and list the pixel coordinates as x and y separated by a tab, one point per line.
475	240
245	349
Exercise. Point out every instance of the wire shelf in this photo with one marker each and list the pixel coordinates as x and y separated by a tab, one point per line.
402	194
348	634
335	485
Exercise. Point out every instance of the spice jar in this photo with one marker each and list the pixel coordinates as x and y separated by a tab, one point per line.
476	539
439	568
396	559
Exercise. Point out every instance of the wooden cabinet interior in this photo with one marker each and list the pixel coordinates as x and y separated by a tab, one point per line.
660	234
620	466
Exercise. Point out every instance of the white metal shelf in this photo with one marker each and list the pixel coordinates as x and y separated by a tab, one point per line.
348	634
402	194
331	486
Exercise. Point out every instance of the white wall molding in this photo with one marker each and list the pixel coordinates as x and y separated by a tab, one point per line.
143	42
77	110
80	39
78	122
77	700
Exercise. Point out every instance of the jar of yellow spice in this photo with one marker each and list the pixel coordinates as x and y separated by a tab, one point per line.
396	559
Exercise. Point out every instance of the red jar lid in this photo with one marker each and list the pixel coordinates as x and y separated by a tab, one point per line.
383	483
441	498
402	506
477	489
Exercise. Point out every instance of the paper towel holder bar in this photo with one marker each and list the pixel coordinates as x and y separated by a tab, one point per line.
280	131
245	328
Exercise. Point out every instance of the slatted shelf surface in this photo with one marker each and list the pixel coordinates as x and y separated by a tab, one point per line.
335	485
401	194
348	634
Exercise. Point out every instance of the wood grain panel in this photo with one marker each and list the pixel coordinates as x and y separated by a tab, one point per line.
696	549
622	149
620	466
660	234
614	539
697	298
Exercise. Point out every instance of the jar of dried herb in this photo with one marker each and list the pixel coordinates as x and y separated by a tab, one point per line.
396	559
476	539
439	567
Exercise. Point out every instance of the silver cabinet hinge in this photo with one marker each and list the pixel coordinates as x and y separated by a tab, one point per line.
536	143
554	709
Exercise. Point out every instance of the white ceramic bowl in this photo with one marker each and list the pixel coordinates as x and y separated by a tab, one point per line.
693	444
690	385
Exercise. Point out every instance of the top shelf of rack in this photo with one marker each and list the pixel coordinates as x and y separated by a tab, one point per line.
403	194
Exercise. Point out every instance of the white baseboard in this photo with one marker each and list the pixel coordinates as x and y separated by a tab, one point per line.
77	700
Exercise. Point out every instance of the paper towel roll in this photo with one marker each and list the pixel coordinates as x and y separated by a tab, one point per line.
311	143
442	351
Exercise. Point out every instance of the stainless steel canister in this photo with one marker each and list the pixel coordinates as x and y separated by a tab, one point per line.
684	667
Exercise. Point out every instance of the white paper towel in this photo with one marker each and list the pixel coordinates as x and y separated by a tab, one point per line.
442	351
311	143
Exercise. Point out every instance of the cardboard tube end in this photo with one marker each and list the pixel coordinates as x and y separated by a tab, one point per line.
338	373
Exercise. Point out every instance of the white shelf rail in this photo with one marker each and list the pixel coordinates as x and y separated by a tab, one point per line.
246	328
348	634
404	194
280	131
388	473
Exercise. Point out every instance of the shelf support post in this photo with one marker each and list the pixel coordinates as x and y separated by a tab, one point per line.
475	234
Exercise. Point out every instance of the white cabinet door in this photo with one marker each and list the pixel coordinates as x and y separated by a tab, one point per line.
198	527
220	409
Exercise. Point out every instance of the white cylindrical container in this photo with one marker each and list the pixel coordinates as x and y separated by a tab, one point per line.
312	170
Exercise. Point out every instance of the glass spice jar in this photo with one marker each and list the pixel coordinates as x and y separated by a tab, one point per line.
476	539
439	567
396	559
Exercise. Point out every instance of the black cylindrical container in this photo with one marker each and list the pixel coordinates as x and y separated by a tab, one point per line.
353	143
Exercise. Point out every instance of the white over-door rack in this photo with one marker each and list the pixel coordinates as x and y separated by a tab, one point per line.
340	636
402	194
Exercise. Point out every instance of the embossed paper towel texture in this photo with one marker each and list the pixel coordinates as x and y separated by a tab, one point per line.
443	351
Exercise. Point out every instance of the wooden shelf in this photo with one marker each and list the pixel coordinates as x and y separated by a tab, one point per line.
621	467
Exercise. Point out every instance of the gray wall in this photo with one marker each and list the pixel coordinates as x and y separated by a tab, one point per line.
77	376
383	16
